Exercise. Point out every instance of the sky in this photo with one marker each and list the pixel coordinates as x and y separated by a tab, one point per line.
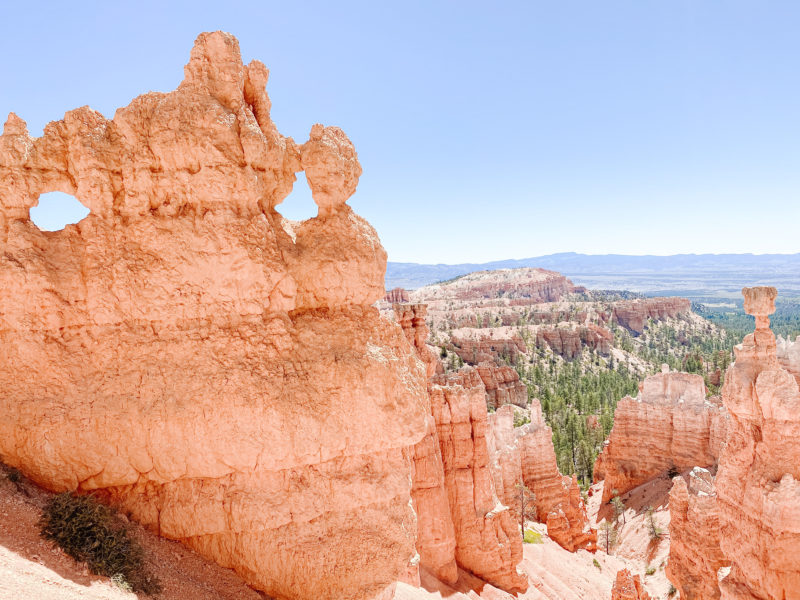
486	131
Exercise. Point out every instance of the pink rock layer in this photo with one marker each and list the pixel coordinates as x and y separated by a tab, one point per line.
461	521
396	295
633	314
191	356
758	483
669	425
503	385
570	341
525	455
628	587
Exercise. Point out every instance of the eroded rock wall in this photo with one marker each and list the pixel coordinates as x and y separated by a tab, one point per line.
694	553
756	495
189	354
462	523
669	425
525	455
758	484
633	314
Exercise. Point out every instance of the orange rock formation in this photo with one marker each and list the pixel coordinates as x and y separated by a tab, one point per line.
525	455
191	355
633	314
757	490
461	521
628	587
694	553
669	425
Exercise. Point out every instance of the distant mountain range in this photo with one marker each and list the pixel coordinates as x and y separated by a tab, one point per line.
696	276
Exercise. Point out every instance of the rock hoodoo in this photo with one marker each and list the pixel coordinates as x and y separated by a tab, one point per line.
669	425
694	553
756	495
525	455
628	587
190	355
461	521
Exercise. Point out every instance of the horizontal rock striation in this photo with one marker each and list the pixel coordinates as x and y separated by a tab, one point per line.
633	314
187	353
532	285
669	425
475	345
569	341
628	587
503	385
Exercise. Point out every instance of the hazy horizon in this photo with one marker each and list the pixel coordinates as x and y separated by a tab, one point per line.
524	130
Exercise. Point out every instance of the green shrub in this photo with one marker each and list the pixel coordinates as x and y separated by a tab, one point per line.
596	564
532	537
90	532
650	570
672	591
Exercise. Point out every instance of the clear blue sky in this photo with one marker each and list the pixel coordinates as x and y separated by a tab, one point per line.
486	130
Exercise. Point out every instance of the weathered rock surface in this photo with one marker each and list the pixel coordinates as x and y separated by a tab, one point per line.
188	355
628	587
461	521
396	295
633	314
757	503
669	425
694	553
475	345
532	285
525	455
568	341
758	484
503	385
488	540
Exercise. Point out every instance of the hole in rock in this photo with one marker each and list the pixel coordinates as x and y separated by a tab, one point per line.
299	205
56	210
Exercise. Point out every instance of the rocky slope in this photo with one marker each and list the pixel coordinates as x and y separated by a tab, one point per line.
757	493
193	357
669	426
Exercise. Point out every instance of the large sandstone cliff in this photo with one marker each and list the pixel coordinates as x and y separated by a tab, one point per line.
669	425
756	496
191	356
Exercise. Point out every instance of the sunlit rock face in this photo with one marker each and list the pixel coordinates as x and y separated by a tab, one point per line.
755	498
669	425
758	484
628	587
192	356
525	456
694	553
462	523
633	314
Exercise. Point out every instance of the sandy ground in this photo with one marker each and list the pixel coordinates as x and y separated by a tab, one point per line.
32	568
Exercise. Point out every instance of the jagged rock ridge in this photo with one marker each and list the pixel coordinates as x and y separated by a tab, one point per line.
190	355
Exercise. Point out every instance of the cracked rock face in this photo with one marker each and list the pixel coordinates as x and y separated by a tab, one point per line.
192	356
